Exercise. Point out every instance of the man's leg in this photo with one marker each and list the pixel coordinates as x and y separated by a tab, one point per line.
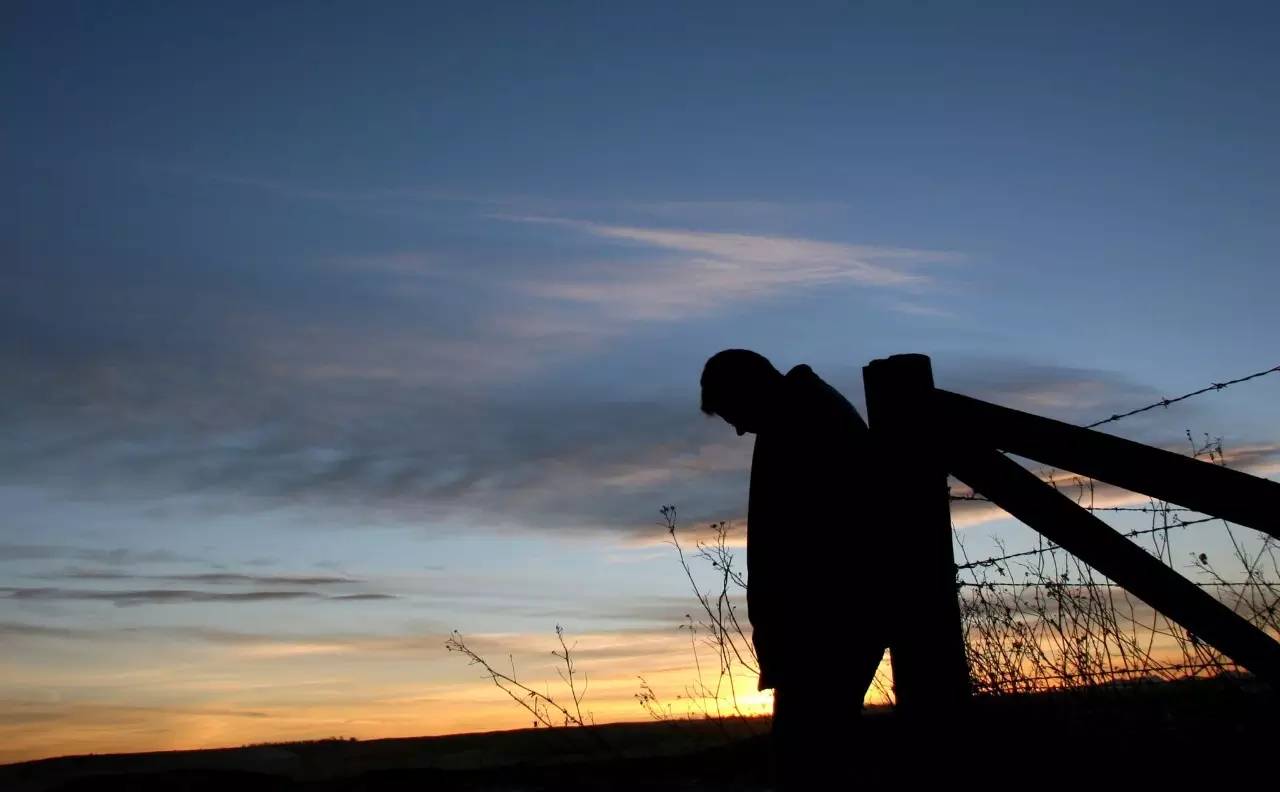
817	719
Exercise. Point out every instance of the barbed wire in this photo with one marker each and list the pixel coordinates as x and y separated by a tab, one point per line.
1102	639
1178	523
1216	386
1050	547
1145	509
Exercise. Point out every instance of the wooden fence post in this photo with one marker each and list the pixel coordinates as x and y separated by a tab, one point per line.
930	671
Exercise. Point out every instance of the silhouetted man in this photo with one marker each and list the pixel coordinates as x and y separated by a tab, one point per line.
813	561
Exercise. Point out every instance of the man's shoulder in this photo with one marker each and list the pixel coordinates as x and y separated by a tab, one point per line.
815	396
803	381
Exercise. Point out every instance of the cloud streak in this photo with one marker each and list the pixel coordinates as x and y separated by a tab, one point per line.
115	557
210	578
128	598
701	271
558	462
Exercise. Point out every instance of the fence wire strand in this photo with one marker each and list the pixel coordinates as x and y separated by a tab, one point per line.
1063	625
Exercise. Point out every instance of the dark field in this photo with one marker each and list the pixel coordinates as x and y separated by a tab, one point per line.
1210	732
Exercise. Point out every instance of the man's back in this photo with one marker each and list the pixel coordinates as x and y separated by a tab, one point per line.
808	539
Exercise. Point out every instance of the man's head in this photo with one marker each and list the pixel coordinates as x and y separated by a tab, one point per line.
741	387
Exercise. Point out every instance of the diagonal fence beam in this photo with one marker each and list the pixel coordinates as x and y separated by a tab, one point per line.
1017	490
1193	483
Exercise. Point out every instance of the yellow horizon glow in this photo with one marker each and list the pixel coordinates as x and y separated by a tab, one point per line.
185	697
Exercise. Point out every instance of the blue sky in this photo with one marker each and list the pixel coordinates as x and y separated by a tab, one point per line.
409	304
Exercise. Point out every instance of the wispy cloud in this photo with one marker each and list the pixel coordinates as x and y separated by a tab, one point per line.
409	451
115	557
703	270
1073	394
411	200
362	597
126	598
743	211
214	578
911	308
22	630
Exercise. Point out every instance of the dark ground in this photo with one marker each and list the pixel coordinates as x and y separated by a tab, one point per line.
1213	733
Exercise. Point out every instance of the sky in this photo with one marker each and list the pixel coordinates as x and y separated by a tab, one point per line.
328	329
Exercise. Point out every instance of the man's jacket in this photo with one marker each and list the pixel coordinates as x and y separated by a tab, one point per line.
813	563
